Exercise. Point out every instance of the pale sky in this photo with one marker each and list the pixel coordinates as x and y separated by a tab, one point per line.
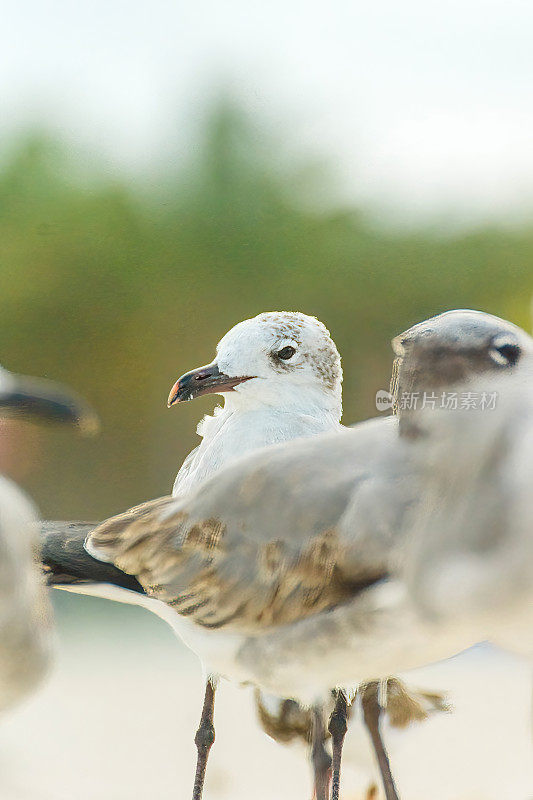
422	107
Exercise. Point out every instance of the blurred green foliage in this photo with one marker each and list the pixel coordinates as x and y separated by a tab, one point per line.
118	286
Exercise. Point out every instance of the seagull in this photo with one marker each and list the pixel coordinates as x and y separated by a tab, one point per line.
430	358
281	378
472	554
287	557
25	626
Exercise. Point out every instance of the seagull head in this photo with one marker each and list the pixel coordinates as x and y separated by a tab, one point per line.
281	359
42	399
455	347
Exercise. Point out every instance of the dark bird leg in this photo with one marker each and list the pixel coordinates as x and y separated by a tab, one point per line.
338	725
205	736
371	714
320	757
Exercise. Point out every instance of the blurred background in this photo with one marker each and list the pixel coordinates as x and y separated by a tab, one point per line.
168	169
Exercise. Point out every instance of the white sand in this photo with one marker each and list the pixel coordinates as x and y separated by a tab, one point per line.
117	717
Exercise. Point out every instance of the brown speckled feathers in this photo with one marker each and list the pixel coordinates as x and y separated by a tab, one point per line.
209	558
186	565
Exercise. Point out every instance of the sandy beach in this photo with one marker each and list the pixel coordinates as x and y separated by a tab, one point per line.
116	720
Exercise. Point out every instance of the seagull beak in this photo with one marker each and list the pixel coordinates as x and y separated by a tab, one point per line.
205	380
42	399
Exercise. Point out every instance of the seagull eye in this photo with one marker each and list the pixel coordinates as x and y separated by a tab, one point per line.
506	353
286	353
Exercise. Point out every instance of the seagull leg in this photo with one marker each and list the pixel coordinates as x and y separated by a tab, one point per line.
320	757
371	714
205	736
338	725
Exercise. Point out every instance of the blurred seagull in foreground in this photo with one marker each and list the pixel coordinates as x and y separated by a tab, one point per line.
281	570
431	357
24	610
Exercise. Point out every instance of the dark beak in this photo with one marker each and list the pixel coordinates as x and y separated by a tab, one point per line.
205	380
41	399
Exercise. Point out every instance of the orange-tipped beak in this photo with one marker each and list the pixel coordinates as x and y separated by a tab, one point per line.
205	380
